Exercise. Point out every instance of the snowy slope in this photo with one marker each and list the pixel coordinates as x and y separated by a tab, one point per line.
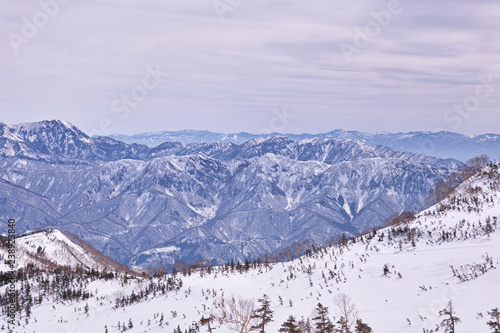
51	248
420	281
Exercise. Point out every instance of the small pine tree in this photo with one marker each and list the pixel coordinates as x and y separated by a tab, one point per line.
323	323
178	329
343	326
289	326
28	310
362	327
86	308
247	265
386	269
308	326
106	329
305	325
130	324
494	323
194	328
450	320
264	314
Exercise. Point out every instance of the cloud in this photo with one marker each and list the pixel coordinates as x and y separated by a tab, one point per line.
228	75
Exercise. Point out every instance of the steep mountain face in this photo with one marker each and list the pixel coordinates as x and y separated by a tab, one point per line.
438	144
217	201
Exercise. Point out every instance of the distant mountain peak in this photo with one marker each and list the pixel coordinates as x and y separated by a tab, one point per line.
30	127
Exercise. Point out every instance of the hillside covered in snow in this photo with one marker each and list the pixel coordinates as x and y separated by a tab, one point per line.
398	278
52	249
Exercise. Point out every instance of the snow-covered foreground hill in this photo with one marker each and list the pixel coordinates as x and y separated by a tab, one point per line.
450	252
49	249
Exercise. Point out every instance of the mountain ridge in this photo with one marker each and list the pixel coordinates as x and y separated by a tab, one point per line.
440	144
219	201
61	141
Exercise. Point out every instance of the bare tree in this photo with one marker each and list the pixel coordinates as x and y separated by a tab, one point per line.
478	163
403	217
346	310
441	191
450	320
445	186
236	315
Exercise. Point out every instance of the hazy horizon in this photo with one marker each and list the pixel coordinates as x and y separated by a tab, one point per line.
295	67
271	133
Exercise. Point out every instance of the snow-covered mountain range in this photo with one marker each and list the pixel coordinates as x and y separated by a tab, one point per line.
440	144
398	278
218	201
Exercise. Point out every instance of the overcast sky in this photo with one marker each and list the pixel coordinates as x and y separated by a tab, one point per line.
252	65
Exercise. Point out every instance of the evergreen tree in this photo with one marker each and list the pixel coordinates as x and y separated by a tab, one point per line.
194	328
28	310
343	326
305	325
450	320
494	323
130	324
264	314
308	327
178	329
323	323
247	265
289	326
362	327
386	270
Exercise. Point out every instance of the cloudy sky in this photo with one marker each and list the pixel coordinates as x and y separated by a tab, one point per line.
129	66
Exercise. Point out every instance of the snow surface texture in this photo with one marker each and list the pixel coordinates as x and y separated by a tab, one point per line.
419	282
217	201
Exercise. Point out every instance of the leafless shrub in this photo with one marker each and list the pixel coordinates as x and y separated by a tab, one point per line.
235	314
346	309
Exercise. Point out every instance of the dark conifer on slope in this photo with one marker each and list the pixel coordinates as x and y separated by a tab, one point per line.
450	320
322	322
494	323
362	327
290	326
264	314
